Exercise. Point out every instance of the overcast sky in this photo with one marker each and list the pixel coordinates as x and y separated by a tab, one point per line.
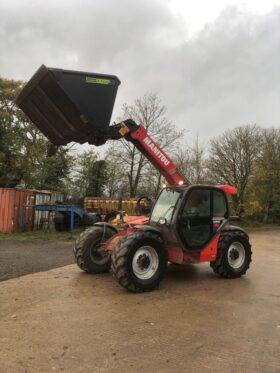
214	64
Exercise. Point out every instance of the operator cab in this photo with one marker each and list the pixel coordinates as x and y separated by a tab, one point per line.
190	216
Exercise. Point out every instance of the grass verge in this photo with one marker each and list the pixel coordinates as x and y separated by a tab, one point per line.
40	234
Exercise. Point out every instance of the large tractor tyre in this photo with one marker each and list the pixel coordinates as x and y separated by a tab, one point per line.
139	261
91	218
233	256
88	252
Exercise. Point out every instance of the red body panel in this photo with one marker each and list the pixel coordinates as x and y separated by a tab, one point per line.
228	189
209	253
177	255
138	220
111	242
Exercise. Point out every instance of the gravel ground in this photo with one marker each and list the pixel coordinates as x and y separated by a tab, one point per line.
64	320
18	258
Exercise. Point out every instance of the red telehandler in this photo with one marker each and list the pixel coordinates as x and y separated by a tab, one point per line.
188	223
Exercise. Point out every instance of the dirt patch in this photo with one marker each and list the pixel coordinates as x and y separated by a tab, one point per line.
18	258
64	320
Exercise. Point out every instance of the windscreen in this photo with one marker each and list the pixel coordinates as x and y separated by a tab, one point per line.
165	205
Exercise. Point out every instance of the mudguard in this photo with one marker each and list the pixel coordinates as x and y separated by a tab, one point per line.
235	228
148	228
104	224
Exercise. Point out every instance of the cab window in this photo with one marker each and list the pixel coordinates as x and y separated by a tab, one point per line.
198	203
219	204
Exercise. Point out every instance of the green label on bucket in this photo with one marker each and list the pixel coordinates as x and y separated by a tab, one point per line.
90	79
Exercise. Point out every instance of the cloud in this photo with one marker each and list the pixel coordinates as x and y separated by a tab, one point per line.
225	75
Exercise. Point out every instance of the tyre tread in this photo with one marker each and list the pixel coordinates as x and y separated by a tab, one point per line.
219	266
119	261
81	250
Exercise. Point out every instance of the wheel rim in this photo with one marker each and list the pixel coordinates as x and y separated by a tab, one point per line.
236	255
145	262
97	254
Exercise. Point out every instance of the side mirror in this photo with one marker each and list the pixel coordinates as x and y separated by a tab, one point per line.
162	221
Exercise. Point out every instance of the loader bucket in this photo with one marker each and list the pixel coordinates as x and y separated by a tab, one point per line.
69	105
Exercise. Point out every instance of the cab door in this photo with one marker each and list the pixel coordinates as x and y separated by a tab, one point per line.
204	210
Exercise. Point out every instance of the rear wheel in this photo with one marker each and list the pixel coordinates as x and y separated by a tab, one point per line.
233	256
88	251
139	261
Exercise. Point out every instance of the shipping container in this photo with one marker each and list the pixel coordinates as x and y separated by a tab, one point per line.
104	205
11	200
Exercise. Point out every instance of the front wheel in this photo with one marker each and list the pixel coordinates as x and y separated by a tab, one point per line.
88	250
139	261
233	256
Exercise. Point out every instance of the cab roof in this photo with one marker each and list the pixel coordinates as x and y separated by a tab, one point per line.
228	189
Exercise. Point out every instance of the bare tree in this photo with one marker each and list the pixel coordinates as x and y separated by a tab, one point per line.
191	160
116	172
233	157
149	112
